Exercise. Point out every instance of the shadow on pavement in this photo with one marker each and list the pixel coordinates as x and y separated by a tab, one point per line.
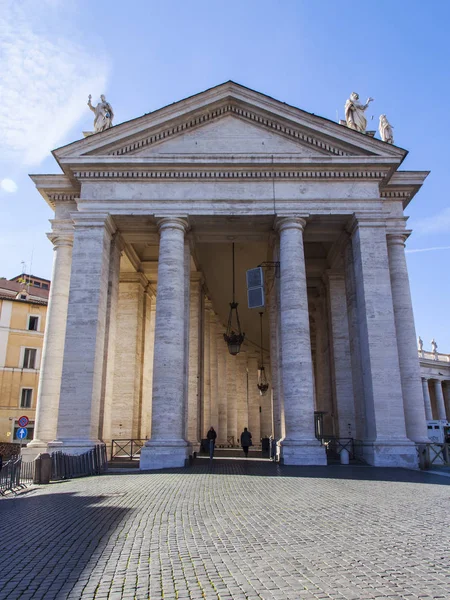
48	540
267	468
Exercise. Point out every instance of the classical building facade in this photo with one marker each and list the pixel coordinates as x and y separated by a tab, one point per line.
145	216
23	309
435	373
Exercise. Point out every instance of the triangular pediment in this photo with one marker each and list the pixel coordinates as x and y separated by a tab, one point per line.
228	135
228	120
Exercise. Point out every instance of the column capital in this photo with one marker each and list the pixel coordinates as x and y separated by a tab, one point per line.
333	275
135	277
397	237
90	220
62	232
172	223
425	378
196	277
290	222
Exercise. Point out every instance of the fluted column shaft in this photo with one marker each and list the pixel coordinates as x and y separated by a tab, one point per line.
194	359
206	405
427	399
55	330
406	339
274	358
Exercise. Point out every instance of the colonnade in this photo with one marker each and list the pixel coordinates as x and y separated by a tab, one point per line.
117	358
437	404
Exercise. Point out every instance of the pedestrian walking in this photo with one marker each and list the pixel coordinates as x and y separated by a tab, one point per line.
211	435
246	441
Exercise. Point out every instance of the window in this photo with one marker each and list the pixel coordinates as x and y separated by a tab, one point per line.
26	397
29	358
36	284
33	323
45	286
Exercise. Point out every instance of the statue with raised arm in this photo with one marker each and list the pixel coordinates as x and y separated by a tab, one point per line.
103	114
433	346
420	344
354	113
385	129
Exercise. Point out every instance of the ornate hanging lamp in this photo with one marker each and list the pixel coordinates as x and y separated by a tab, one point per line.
233	338
263	384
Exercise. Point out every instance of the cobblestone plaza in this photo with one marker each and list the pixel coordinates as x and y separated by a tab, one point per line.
232	529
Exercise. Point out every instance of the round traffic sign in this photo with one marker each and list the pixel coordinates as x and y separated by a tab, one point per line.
22	433
23	421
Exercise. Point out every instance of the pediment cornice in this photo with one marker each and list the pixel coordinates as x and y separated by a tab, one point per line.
325	137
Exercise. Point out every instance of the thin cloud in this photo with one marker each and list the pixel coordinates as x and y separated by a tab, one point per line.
439	223
427	249
8	185
44	83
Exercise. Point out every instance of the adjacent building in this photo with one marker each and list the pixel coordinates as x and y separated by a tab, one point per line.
23	308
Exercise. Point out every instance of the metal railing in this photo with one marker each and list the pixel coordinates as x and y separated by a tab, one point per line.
334	445
68	466
15	475
126	449
433	455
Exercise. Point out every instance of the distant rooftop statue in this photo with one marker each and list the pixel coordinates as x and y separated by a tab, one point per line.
385	129
354	113
103	114
420	344
433	346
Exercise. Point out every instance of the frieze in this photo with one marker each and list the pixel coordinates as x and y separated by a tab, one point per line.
229	174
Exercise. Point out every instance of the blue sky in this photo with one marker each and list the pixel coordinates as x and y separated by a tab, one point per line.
144	54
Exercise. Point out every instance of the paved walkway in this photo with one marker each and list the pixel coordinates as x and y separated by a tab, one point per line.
230	530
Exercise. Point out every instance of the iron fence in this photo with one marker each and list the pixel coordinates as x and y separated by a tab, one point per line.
126	449
16	474
433	455
68	466
334	446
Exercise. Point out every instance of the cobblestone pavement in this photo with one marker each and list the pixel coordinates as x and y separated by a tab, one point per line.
230	530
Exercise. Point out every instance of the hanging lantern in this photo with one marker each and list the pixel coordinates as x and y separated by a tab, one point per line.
233	336
263	384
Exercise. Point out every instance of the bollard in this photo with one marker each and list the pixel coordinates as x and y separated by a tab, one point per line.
345	456
37	469
43	468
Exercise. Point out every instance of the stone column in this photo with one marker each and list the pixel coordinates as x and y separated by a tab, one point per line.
206	415
241	394
274	358
231	397
254	415
446	389
340	350
110	342
427	399
82	374
167	447
147	366
55	330
387	444
440	403
213	363
194	360
406	338
323	391
300	445
127	390
222	352
355	352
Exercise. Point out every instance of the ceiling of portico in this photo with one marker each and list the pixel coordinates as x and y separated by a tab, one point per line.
211	240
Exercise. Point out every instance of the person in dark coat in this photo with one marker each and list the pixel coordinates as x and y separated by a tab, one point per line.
211	436
246	441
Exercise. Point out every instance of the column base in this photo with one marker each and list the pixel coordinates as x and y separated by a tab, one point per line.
305	452
193	447
163	455
33	449
72	446
390	454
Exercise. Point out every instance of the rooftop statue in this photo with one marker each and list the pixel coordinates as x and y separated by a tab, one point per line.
103	114
354	113
420	344
433	346
385	129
